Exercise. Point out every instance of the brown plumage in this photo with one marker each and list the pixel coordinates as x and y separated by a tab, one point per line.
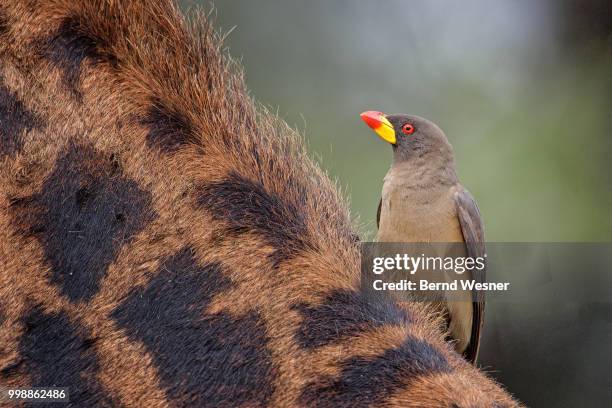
422	201
164	242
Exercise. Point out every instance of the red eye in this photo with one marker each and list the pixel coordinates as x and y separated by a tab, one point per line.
408	129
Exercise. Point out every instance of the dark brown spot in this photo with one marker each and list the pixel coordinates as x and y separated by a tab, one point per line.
168	128
246	206
202	360
4	24
55	354
74	217
70	46
344	314
15	119
369	381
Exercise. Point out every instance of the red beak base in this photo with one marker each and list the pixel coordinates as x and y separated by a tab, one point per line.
373	119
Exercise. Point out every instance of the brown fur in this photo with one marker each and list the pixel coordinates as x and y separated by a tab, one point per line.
164	242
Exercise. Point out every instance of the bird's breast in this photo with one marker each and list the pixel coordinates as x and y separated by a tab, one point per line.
414	214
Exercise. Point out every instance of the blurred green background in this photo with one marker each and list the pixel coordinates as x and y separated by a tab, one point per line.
523	90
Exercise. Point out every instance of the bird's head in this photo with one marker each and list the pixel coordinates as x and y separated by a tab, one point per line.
410	136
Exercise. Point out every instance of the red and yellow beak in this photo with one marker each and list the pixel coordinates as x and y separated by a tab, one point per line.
378	121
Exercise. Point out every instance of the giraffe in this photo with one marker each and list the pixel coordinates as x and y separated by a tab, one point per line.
166	241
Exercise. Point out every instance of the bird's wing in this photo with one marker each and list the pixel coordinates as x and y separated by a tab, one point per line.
378	214
473	235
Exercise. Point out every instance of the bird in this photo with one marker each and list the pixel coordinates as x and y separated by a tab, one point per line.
423	201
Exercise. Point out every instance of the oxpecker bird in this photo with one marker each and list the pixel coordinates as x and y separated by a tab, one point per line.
423	201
